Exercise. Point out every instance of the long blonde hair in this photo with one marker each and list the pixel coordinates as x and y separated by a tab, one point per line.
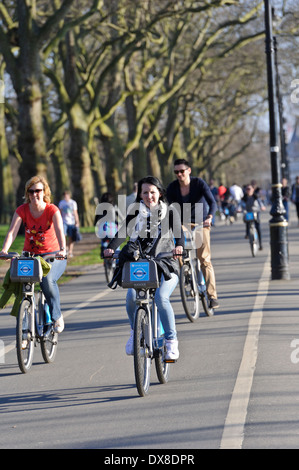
34	180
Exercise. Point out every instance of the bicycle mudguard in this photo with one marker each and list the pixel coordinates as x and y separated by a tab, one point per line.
140	274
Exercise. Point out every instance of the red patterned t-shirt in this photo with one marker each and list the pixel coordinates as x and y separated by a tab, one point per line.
40	236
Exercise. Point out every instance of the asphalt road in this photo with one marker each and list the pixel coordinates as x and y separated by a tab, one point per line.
235	385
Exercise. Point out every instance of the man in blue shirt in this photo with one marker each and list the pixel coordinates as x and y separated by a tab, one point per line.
187	189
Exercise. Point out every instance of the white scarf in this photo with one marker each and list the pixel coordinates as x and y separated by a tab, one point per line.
148	223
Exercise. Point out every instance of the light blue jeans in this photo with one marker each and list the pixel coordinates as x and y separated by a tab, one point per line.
164	307
50	288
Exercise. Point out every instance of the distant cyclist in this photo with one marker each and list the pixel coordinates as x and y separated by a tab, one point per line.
151	228
252	203
106	229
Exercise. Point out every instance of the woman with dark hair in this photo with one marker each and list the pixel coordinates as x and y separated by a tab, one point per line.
157	228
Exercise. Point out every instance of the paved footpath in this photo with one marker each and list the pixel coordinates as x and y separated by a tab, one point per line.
235	385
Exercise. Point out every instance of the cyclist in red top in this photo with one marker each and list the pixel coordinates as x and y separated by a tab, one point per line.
43	234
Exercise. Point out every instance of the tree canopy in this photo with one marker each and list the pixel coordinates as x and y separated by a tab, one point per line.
99	93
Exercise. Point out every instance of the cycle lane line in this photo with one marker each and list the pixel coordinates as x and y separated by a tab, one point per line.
233	432
11	346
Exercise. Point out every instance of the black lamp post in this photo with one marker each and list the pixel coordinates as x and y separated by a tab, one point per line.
278	224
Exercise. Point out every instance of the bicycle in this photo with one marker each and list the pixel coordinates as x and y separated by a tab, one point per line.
106	231
109	263
193	287
250	218
149	341
34	324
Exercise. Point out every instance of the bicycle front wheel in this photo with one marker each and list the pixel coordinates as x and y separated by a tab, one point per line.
109	269
25	336
142	360
189	292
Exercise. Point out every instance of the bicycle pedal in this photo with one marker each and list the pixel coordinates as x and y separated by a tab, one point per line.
170	361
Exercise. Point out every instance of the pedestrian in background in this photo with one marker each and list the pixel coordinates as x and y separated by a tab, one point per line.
295	195
69	212
285	191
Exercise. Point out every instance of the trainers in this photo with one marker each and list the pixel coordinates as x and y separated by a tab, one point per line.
59	325
214	303
130	345
172	349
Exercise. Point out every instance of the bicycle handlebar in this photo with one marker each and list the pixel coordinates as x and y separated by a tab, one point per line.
10	255
49	255
162	255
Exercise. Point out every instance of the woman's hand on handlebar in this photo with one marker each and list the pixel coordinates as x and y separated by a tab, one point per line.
61	254
108	253
178	250
3	255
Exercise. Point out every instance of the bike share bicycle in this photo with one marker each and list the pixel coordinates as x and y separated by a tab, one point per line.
149	341
250	219
34	323
106	231
193	287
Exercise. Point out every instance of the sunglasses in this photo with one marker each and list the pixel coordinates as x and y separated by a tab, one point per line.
177	172
32	191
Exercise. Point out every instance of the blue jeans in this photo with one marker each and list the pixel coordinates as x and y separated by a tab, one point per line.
164	307
50	288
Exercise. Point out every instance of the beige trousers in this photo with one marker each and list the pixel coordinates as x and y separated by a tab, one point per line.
203	253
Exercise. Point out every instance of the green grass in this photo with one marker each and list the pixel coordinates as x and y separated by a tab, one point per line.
92	257
88	258
17	244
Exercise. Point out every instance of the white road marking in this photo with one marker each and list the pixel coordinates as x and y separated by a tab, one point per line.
233	433
11	346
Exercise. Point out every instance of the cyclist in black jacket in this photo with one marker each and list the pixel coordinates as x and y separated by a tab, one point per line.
187	189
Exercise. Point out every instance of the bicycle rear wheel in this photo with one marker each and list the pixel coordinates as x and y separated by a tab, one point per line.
253	241
203	291
189	292
142	360
25	336
48	337
162	368
48	346
205	303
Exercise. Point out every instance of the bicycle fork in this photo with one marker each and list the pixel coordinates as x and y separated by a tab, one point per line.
154	332
28	326
142	301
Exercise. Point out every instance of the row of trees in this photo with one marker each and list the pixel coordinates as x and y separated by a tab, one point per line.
99	93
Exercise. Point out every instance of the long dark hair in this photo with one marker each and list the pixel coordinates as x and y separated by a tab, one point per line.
154	181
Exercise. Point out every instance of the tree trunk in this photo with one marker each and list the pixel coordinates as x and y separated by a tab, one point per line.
7	197
83	186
